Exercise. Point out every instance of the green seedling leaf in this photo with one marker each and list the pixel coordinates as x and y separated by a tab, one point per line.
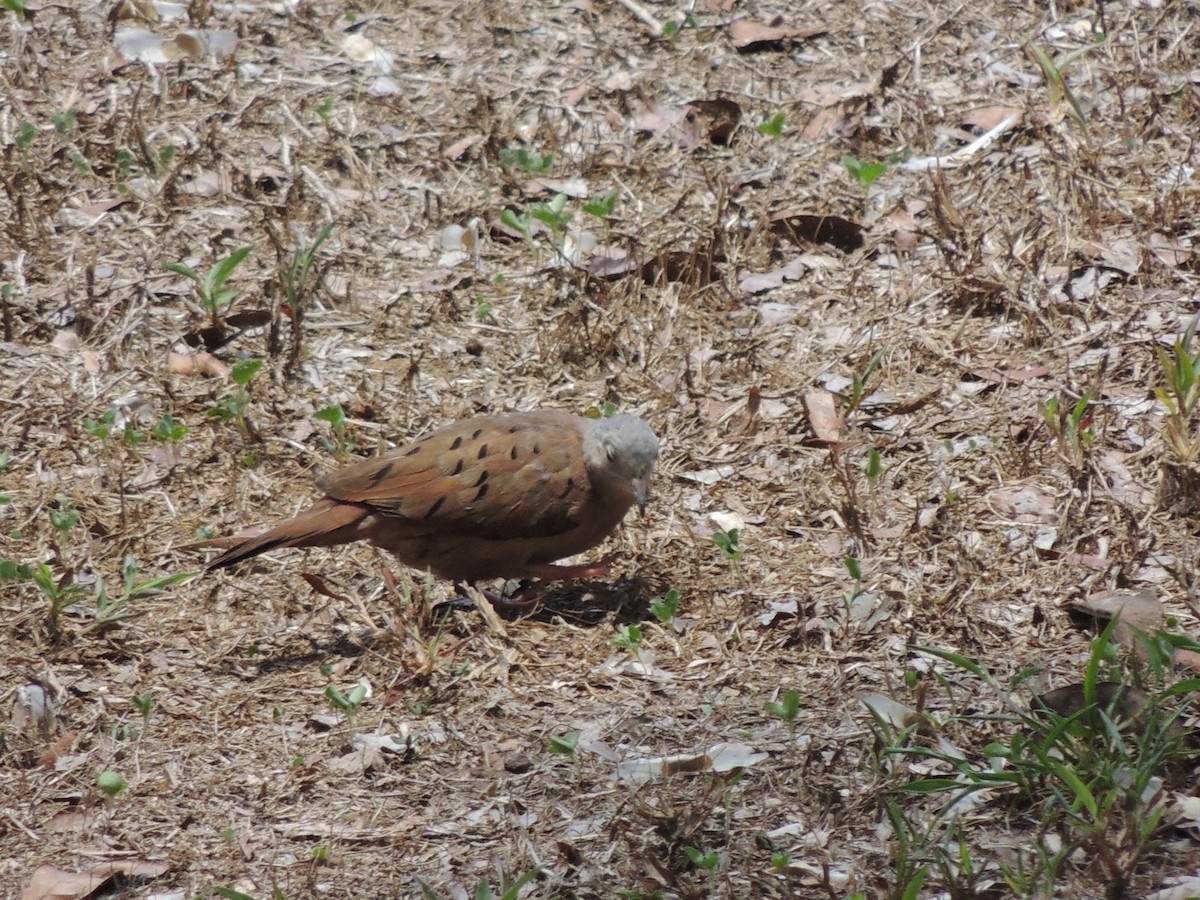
853	567
602	207
332	414
110	783
181	269
864	173
519	224
728	542
786	708
244	371
167	431
26	133
665	607
219	273
564	743
772	127
629	637
11	570
873	464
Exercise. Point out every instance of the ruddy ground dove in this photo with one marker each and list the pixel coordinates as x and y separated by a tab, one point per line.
500	496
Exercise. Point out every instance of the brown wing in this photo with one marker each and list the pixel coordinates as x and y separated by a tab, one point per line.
514	476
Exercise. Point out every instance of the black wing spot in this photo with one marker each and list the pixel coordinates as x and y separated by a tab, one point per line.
478	432
414	451
382	473
437	504
570	487
483	451
481	479
457	443
537	448
513	453
482	490
457	468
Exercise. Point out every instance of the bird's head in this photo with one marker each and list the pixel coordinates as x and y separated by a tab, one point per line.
620	453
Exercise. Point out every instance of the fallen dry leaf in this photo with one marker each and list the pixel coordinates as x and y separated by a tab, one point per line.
49	883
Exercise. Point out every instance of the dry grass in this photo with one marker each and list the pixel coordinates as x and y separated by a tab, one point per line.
974	283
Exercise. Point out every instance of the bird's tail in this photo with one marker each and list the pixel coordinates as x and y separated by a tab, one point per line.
325	523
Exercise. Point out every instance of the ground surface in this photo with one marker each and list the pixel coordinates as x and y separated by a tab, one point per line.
1049	264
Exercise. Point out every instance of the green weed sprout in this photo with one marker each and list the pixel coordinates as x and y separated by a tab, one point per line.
773	127
1056	85
665	607
1071	428
628	638
730	549
232	407
210	287
864	173
337	422
520	158
111	783
1181	395
565	744
787	707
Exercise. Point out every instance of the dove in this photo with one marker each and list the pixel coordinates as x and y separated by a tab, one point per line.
495	496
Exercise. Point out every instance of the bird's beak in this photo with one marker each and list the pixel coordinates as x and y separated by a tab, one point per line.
640	493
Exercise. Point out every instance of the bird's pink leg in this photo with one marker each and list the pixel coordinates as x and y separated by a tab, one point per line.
551	572
527	597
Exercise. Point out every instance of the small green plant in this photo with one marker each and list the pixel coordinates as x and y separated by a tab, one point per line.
101	428
325	111
111	783
60	594
111	611
859	386
704	860
520	158
602	207
64	122
298	281
1181	396
553	214
565	744
854	568
772	127
26	132
873	465
333	414
507	889
210	287
864	173
483	309
1056	85
64	517
5	459
672	28
15	6
1071	427
143	705
728	542
664	608
787	707
347	704
233	406
167	430
1087	763
628	638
